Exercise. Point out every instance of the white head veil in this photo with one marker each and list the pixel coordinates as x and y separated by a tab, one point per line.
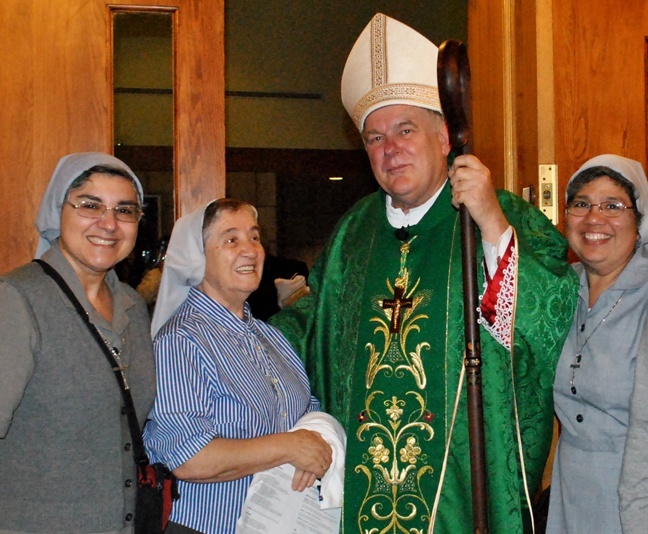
69	168
184	266
632	171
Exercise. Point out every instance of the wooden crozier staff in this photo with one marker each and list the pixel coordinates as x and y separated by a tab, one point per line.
453	73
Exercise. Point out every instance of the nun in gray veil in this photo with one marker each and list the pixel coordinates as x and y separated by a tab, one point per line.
600	474
66	459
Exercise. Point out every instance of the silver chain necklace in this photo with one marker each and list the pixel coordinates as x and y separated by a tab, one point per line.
579	354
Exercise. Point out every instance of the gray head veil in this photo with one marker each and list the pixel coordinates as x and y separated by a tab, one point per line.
632	171
69	168
184	266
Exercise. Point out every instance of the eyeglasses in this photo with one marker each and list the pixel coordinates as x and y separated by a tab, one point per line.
96	210
580	208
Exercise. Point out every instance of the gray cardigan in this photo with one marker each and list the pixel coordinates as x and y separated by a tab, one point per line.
66	460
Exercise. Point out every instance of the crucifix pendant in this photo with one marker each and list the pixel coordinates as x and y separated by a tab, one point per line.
396	305
121	368
574	366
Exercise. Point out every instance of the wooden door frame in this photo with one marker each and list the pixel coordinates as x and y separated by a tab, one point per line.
57	85
198	96
511	53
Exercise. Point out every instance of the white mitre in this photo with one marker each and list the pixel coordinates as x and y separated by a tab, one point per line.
389	64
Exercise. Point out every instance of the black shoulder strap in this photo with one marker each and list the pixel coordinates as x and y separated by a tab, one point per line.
139	452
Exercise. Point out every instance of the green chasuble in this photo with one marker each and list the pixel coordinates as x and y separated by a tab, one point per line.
382	338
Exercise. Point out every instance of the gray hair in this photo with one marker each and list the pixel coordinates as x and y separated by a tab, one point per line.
214	210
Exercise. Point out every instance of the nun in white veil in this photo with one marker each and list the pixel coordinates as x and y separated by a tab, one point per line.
600	474
230	387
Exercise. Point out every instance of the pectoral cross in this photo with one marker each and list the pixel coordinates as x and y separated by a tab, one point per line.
121	368
396	305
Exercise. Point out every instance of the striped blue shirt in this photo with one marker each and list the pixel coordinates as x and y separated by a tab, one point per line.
219	376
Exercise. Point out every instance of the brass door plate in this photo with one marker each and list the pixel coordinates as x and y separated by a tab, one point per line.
548	197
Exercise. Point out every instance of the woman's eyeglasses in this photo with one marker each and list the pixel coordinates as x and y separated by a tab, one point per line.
96	210
580	208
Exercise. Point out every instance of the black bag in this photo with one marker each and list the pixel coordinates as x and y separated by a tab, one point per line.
156	491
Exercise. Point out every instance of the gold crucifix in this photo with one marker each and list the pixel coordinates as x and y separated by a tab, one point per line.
396	305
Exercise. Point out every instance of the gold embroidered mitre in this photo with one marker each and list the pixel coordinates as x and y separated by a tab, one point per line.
390	63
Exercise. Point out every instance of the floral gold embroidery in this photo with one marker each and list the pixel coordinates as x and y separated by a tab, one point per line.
394	463
393	428
394	412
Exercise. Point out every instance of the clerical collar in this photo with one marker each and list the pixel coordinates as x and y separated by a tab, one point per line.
398	219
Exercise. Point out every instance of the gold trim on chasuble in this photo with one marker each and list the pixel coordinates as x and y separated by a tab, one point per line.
393	425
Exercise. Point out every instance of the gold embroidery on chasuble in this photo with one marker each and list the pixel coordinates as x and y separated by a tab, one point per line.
393	426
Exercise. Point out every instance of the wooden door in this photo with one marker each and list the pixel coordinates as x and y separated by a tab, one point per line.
599	51
556	83
57	98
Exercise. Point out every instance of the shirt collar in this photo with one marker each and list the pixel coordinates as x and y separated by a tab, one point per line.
398	219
